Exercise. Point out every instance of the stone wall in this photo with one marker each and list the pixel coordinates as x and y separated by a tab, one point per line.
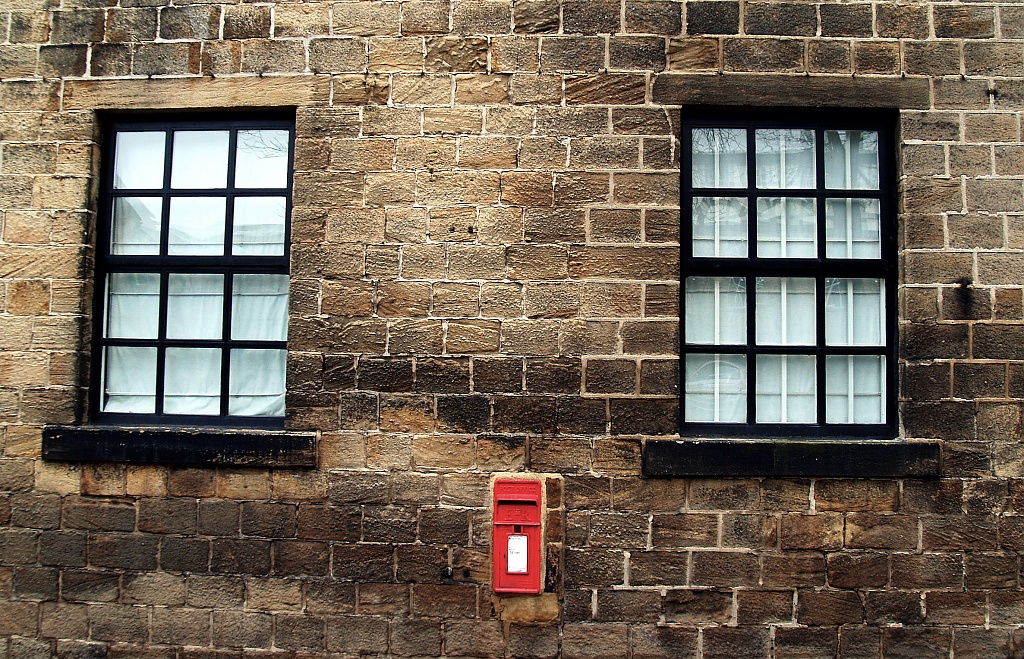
485	279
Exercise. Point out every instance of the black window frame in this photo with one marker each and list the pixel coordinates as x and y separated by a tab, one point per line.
164	264
885	122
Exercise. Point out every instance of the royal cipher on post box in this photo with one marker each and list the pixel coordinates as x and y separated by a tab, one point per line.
516	550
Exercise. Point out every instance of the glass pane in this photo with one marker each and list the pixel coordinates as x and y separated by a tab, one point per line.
785	158
261	159
259	307
851	159
720	227
129	380
719	158
854	312
786	386
258	226
785	313
716	310
195	306
139	160
853	229
133	305
196	226
136	225
716	388
786	228
192	381
855	389
257	383
200	159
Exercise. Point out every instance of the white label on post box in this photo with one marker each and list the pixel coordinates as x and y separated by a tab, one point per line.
517	554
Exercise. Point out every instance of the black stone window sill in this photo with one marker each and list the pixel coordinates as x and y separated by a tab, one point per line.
180	446
809	458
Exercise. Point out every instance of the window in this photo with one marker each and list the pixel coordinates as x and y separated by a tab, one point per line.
789	270
192	273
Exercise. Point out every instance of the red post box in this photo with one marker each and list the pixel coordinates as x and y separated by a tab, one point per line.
516	551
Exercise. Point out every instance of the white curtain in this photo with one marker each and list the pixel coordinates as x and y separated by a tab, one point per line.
192	375
259	307
129	379
716	310
192	381
257	382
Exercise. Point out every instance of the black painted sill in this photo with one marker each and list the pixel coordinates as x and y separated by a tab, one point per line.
808	458
180	446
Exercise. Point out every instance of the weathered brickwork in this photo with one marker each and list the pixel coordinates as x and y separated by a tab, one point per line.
485	278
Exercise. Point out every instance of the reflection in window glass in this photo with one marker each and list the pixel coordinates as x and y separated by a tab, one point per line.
720	227
785	158
196	226
200	159
851	159
259	226
787	228
853	229
129	380
133	305
262	159
719	158
139	160
136	225
716	388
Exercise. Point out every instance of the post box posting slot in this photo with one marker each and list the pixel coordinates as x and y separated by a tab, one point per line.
516	558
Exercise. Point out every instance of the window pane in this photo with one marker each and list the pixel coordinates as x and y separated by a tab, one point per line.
785	158
192	381
129	380
195	306
262	159
719	158
720	227
853	229
196	226
133	305
136	225
785	311
786	227
139	160
258	226
854	312
259	307
716	388
851	159
786	386
716	310
855	389
257	383
200	159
